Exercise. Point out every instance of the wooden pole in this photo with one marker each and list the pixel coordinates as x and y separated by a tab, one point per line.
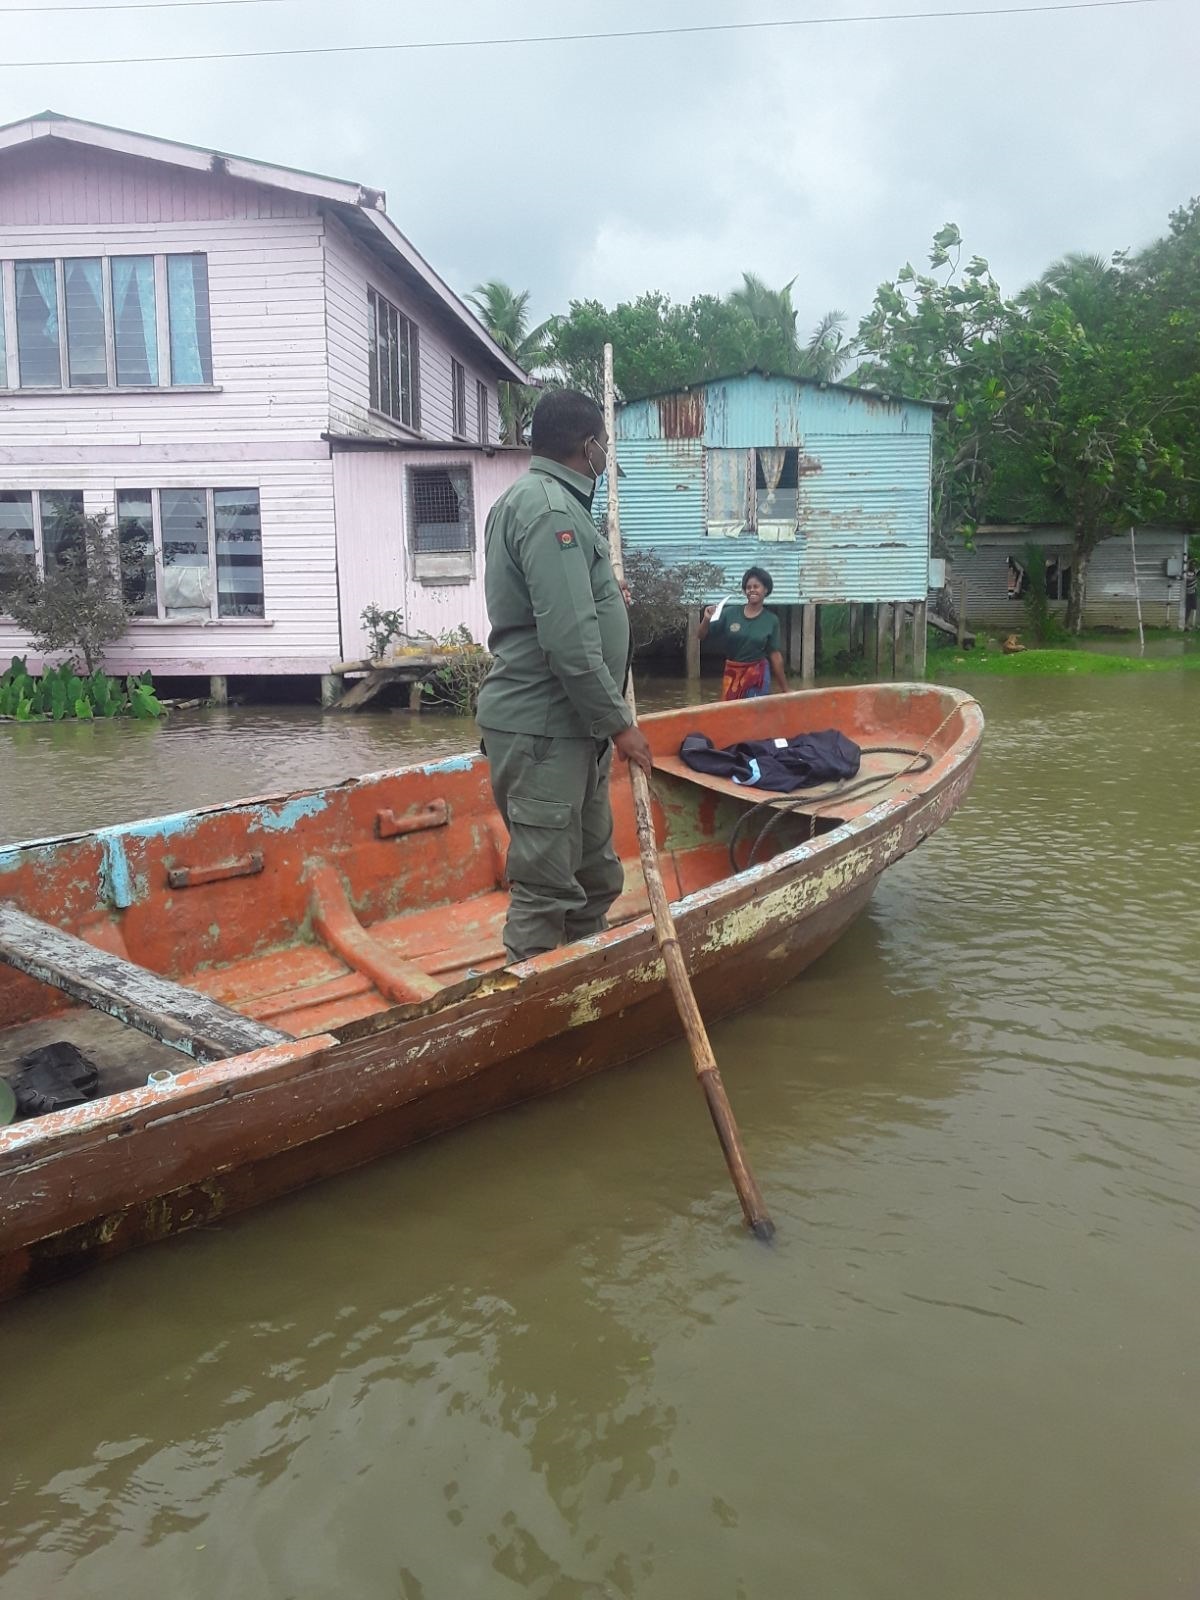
703	1059
898	640
920	637
694	616
808	644
880	631
962	613
1137	594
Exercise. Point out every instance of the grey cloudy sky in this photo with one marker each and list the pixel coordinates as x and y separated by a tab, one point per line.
829	154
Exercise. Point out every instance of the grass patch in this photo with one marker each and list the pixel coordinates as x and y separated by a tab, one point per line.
1054	663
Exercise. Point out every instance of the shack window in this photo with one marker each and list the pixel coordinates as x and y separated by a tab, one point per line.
1058	579
727	479
440	518
776	481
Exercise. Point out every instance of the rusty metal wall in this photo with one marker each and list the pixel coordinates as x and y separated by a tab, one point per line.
863	522
1110	599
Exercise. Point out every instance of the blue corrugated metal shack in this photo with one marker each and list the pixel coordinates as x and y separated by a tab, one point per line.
825	485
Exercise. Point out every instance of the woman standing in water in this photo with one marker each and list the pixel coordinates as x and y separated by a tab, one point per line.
751	639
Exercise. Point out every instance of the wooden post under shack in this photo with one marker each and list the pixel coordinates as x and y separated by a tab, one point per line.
694	617
920	637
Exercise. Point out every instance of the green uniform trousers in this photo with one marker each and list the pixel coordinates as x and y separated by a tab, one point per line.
562	869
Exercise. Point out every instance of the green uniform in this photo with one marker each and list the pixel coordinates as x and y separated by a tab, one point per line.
746	638
550	705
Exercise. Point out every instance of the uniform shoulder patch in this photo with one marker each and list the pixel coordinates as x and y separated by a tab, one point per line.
566	539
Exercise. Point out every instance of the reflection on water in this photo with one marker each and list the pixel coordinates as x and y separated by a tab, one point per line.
539	1358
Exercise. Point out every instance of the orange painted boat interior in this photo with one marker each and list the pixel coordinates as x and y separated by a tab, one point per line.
314	911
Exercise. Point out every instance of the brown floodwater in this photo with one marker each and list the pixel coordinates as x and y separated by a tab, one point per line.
539	1357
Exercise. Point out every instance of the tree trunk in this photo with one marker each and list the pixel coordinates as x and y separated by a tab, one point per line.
1081	555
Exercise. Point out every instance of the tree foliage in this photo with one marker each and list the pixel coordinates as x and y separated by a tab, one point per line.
78	607
1075	401
660	344
662	591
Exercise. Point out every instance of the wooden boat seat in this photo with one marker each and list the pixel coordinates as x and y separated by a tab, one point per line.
193	1023
820	801
321	987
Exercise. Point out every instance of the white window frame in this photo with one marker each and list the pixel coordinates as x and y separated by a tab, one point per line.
10	375
406	329
39	546
483	416
159	565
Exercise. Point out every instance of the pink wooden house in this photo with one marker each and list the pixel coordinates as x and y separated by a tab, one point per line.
282	407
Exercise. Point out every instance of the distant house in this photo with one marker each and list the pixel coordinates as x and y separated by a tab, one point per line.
995	573
825	485
279	403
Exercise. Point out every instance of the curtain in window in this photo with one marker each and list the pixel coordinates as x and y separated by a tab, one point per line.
772	463
728	475
37	325
187	586
187	307
134	319
87	360
239	553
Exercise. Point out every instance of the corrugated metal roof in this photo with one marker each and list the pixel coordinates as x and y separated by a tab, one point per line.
757	372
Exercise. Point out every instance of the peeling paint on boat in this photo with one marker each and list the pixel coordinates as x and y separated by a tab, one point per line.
288	815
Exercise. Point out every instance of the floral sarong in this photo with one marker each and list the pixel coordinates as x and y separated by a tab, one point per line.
744	680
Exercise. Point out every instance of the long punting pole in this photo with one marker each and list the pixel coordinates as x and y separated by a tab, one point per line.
703	1060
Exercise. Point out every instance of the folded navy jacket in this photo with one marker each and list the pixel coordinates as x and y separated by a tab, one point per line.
800	762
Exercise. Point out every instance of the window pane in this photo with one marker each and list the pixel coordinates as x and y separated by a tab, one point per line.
62	529
37	325
440	501
373	349
86	359
134	319
239	553
187	585
395	388
16	536
187	308
481	410
135	530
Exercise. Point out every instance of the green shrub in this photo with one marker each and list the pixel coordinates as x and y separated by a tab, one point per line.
60	693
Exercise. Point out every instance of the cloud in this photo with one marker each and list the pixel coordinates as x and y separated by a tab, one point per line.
826	154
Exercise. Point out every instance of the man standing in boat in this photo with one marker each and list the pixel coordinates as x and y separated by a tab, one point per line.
552	708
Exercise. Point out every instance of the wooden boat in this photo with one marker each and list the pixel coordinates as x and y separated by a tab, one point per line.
313	980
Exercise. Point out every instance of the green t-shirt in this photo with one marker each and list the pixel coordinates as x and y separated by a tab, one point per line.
746	638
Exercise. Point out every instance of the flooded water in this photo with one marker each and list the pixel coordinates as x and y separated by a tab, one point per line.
540	1358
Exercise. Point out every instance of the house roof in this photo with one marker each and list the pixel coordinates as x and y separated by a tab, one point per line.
361	209
786	377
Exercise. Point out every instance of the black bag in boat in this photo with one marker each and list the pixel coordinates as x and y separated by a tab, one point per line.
800	762
53	1078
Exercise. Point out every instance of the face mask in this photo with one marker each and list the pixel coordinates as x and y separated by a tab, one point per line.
597	472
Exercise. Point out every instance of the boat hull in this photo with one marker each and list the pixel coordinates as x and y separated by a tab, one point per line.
136	1167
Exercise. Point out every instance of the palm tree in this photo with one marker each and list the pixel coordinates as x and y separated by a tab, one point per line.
1082	281
828	349
771	310
505	314
774	315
